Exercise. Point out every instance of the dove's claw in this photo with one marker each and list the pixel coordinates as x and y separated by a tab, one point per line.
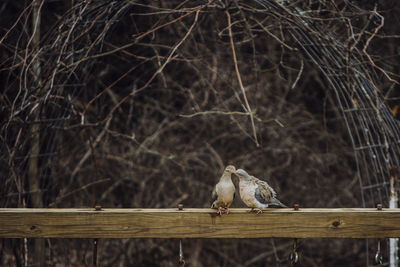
220	211
258	211
227	210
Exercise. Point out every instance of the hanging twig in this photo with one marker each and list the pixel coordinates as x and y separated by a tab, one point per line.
369	40
240	79
162	66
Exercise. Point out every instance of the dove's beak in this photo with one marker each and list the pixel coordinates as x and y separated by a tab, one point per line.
240	173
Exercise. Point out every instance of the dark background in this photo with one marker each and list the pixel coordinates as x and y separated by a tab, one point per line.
86	120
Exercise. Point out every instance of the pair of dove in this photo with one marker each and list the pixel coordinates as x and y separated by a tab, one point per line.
255	193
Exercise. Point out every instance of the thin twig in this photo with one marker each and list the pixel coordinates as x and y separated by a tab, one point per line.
369	40
211	112
299	74
58	199
159	70
197	10
240	79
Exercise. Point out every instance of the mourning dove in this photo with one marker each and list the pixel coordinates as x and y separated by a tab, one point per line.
224	191
256	193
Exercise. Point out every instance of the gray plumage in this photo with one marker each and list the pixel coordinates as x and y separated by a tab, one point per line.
256	193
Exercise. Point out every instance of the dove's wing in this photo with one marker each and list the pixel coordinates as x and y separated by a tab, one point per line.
263	192
276	203
214	197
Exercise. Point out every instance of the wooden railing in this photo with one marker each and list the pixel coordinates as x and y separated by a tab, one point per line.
199	223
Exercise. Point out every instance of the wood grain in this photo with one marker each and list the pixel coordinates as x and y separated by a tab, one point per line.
199	223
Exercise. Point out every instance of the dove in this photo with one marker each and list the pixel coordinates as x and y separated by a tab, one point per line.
224	191
255	193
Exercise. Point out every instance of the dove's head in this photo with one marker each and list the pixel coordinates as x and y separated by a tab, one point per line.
230	169
242	174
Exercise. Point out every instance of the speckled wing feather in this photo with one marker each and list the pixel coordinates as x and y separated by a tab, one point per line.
214	197
263	192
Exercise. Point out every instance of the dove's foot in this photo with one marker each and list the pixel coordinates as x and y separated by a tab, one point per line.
258	211
227	210
220	211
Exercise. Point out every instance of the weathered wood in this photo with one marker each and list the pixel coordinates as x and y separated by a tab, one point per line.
199	223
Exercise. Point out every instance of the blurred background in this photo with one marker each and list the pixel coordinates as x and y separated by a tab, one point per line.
138	104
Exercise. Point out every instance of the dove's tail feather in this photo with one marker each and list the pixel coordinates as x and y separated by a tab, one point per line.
276	203
213	205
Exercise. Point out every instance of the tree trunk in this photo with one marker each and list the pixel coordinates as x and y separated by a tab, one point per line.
33	173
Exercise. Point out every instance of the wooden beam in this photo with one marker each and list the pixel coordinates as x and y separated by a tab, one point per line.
199	223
